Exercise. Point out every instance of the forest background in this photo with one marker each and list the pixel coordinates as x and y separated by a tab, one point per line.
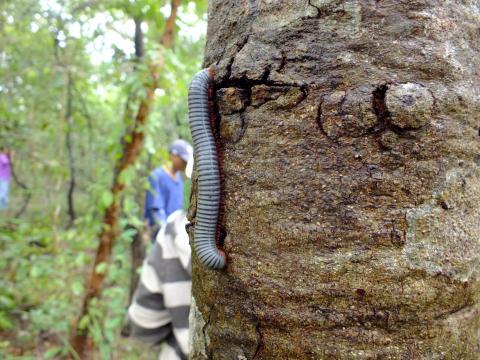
71	80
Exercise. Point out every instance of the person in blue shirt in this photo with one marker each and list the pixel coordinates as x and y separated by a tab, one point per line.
165	195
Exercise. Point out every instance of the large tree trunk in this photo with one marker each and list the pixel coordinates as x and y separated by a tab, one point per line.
350	135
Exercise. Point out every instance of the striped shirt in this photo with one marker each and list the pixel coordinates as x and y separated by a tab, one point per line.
161	304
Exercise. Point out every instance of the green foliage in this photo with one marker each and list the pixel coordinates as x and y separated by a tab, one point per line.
40	276
43	264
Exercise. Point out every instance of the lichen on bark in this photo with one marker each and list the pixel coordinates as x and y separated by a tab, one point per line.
350	135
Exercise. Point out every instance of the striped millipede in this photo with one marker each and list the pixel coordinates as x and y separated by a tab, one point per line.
206	231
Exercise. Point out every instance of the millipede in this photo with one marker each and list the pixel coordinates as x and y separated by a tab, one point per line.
208	158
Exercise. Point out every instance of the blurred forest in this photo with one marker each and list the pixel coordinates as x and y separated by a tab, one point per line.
73	74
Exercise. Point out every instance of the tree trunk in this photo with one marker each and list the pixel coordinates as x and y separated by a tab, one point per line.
350	135
131	149
27	192
69	146
139	241
138	249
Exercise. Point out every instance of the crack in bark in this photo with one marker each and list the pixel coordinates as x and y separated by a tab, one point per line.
243	128
379	107
244	82
320	124
337	7
319	11
283	62
260	341
304	89
240	45
246	86
456	311
266	73
395	237
208	352
205	65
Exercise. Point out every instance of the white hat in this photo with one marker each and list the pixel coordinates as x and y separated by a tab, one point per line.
184	150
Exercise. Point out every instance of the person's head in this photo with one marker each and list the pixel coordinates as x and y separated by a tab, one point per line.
181	153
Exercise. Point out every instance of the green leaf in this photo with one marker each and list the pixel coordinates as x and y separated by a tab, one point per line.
7	303
107	198
101	268
52	352
5	323
114	322
127	175
35	271
77	287
84	322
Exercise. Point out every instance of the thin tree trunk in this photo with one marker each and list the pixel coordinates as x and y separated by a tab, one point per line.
21	184
69	146
138	245
131	149
352	181
68	130
138	249
88	117
138	39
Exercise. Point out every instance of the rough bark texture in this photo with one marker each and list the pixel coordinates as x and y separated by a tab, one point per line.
350	132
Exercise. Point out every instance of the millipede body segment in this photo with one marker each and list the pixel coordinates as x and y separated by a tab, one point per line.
206	231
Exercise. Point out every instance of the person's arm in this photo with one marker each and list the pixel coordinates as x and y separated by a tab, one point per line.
4	159
155	203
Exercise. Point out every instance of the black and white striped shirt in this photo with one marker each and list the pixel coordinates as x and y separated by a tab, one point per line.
159	311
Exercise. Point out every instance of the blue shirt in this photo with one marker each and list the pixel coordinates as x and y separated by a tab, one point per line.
164	196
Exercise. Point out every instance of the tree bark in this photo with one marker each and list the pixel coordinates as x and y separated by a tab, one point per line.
69	146
131	149
350	135
138	38
21	184
138	245
138	249
68	130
